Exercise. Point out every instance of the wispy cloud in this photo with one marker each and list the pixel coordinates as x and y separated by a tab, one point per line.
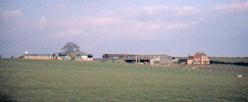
43	21
155	25
164	17
233	7
99	21
131	22
175	10
59	7
11	13
68	34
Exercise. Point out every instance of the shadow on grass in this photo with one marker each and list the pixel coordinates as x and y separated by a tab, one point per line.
230	63
6	98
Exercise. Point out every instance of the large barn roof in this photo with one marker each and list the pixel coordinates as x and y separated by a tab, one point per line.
37	55
132	56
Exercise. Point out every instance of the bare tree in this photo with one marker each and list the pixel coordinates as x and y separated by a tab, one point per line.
70	47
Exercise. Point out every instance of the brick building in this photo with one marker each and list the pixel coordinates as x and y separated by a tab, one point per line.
198	58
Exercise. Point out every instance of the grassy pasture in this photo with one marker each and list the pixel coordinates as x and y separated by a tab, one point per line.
63	81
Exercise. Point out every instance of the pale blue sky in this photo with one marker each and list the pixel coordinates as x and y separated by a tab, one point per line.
173	27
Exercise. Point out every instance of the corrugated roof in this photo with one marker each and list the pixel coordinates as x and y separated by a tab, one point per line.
133	56
37	55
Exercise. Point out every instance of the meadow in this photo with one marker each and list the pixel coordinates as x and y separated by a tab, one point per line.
71	81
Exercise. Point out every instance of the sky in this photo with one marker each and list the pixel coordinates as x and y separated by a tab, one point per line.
173	27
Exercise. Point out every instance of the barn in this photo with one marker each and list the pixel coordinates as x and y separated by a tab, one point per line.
38	56
141	59
82	56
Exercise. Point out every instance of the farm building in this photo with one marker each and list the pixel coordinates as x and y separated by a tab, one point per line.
63	56
82	56
59	56
37	56
142	59
198	58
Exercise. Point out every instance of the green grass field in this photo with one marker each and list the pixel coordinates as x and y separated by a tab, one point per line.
64	81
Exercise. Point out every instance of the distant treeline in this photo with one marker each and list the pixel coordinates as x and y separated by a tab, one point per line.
242	61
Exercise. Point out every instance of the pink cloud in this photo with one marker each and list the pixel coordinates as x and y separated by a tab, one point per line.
175	10
125	23
11	13
164	26
233	7
59	7
43	21
99	21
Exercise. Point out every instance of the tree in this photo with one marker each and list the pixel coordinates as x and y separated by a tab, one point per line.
70	47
